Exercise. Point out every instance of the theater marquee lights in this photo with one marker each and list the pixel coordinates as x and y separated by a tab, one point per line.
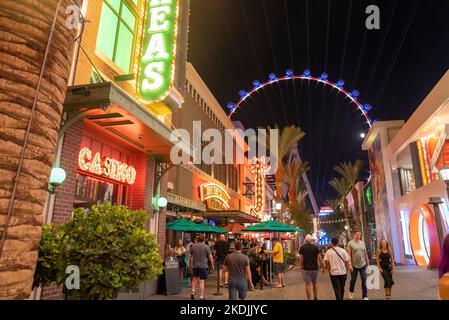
110	168
217	198
156	71
259	168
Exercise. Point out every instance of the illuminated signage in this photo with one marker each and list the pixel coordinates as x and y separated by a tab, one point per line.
217	198
325	211
259	168
111	168
157	62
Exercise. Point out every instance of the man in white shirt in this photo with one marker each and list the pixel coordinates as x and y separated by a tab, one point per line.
338	263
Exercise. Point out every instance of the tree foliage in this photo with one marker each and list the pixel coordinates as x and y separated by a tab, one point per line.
110	246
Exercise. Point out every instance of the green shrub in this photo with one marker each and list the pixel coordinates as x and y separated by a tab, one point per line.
110	246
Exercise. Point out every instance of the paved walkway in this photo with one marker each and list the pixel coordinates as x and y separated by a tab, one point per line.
411	283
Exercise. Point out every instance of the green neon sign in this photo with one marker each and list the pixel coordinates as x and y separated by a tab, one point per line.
369	195
158	46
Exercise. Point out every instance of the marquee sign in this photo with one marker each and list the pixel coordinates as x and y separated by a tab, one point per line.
259	168
158	52
110	168
217	198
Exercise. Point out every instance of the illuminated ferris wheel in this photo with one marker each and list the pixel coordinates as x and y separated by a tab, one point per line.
307	76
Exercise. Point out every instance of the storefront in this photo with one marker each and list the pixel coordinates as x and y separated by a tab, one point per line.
127	77
410	194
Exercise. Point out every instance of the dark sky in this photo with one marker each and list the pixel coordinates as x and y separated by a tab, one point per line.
234	42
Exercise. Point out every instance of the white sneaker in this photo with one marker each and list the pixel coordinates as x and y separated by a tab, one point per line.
366	298
350	296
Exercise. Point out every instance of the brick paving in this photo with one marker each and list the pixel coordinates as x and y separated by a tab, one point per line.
411	283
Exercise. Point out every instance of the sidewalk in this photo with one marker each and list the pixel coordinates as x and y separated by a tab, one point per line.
411	283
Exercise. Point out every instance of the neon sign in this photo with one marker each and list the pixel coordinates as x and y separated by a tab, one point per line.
259	168
111	168
325	211
157	61
217	198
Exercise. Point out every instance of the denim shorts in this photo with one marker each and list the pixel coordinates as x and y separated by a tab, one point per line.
237	285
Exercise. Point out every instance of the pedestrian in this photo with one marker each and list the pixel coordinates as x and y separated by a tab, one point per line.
221	252
200	254
359	260
338	263
278	261
385	263
254	262
444	271
310	261
181	255
237	264
264	264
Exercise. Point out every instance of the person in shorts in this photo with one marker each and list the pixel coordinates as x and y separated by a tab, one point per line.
237	265
278	262
200	253
221	252
309	261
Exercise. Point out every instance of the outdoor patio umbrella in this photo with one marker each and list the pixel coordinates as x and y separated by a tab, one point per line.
271	235
185	226
211	229
234	227
272	226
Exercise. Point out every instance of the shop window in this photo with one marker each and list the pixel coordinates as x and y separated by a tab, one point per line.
444	209
405	222
90	191
117	31
407	180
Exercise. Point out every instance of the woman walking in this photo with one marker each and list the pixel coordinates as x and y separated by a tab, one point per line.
385	263
181	255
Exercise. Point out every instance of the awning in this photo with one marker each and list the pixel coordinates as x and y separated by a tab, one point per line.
185	203
110	109
226	216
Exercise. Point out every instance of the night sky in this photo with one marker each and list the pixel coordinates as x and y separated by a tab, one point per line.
234	42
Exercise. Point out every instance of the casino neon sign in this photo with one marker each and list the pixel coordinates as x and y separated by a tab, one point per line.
157	61
110	168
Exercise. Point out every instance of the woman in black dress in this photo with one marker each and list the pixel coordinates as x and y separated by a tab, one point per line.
385	263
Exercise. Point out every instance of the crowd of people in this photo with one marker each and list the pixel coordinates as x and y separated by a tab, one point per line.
242	266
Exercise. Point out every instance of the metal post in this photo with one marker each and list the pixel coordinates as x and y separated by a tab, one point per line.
218	293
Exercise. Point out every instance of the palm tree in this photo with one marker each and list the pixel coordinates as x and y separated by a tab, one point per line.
293	171
34	65
289	138
351	172
334	203
343	187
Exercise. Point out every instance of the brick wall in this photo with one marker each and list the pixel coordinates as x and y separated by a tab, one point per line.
66	192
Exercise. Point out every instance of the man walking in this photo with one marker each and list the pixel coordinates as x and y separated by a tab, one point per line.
221	252
278	261
309	260
199	255
338	264
359	259
237	264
